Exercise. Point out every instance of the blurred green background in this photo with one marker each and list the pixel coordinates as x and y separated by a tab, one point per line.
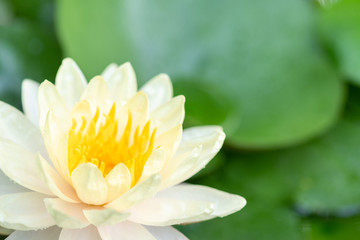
282	77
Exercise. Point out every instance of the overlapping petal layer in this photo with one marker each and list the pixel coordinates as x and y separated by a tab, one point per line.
107	160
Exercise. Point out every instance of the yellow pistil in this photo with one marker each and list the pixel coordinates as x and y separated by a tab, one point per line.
105	149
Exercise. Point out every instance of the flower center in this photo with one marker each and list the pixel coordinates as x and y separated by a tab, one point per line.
99	144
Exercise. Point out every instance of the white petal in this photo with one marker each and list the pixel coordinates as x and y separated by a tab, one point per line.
138	193
17	128
224	203
109	70
88	233
118	181
29	93
154	164
24	211
169	114
49	99
166	233
170	140
70	82
96	92
198	146
7	186
122	83
159	211
102	217
89	184
65	214
125	231
20	165
56	184
159	90
51	233
138	105
55	139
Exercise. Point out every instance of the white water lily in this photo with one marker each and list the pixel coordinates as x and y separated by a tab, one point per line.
103	160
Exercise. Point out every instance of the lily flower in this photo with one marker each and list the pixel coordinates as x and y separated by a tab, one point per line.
104	160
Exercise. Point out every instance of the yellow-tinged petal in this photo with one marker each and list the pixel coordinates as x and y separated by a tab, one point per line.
70	82
122	84
140	192
56	143
90	184
154	164
109	70
118	181
103	217
81	109
138	105
198	146
96	92
29	93
50	100
159	90
66	214
24	211
169	114
170	140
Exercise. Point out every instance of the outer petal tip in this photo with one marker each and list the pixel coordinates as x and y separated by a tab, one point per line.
109	70
159	89
45	83
68	60
27	81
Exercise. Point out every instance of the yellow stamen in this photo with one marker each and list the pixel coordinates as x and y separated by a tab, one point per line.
103	148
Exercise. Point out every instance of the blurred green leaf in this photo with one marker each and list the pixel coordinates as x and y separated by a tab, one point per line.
330	184
39	11
28	47
26	51
339	25
332	229
286	189
254	60
6	13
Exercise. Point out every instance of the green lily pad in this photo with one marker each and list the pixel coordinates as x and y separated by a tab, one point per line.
256	60
339	25
331	183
